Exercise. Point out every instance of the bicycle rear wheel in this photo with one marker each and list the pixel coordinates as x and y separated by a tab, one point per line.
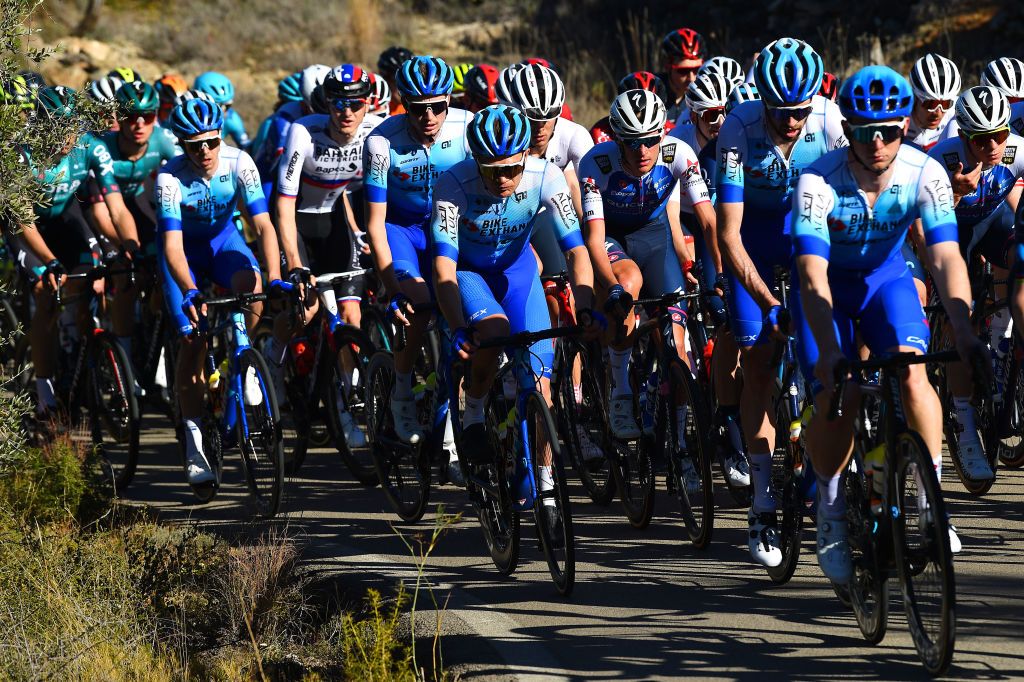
633	460
869	587
1011	418
114	411
690	465
259	434
923	558
403	469
557	539
344	399
786	459
377	328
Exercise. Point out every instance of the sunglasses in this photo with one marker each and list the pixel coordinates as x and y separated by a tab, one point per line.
998	136
712	116
503	171
147	117
420	109
884	132
197	145
936	105
635	143
352	105
685	70
785	113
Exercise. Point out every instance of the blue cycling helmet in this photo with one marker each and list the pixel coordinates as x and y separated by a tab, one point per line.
217	85
744	92
194	117
876	93
290	88
787	72
498	130
424	76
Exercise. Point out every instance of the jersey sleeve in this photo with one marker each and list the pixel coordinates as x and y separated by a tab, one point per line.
935	204
234	127
444	221
376	163
579	145
556	197
167	193
686	170
593	204
834	127
289	171
813	201
101	164
732	150
250	186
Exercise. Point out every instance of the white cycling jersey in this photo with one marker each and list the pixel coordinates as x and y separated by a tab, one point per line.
315	168
569	142
926	138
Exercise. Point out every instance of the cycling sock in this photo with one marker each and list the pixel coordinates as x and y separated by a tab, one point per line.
965	417
126	345
832	504
761	479
730	414
403	386
547	482
160	378
681	414
619	362
474	413
193	438
1000	327
577	393
44	394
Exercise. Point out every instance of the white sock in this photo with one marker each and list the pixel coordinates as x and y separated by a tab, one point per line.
761	478
547	482
619	362
160	379
330	298
681	415
44	394
965	417
126	345
1001	328
577	393
449	439
474	412
833	503
193	438
403	386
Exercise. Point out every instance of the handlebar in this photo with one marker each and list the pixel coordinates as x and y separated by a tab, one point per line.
897	360
523	339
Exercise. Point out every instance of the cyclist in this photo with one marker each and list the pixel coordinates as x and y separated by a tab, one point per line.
17	93
706	98
289	89
744	92
726	67
196	195
102	91
388	64
60	239
762	148
480	83
638	80
627	186
169	87
829	86
985	164
126	74
402	159
459	72
935	81
220	87
683	52
485	274
848	225
1006	74
380	100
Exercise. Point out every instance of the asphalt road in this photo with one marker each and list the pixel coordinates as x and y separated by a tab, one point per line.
647	605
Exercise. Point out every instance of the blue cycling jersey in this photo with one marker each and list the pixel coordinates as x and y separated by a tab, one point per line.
483	232
235	128
400	171
832	219
994	184
202	208
269	151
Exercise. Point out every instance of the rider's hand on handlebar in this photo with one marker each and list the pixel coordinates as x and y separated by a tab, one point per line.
829	359
399	308
54	274
193	306
593	323
619	302
777	320
462	342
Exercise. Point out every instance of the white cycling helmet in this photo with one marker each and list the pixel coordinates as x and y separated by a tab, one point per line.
1007	74
637	113
729	68
194	94
503	89
935	77
709	91
102	90
312	76
381	96
982	109
538	92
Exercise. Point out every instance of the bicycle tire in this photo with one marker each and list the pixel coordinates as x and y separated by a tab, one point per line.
921	544
786	457
113	409
869	585
10	329
259	437
698	507
212	449
499	521
374	324
296	424
1011	454
560	552
632	461
337	395
403	469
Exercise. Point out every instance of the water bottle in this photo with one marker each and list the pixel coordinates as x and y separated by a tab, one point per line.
874	470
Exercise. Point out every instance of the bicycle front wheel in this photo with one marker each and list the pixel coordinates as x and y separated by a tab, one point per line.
690	452
786	459
344	398
923	557
259	434
869	587
552	510
114	411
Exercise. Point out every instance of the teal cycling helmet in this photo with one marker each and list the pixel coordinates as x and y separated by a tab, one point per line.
876	93
744	92
498	130
788	71
194	117
58	101
217	85
290	88
425	76
137	98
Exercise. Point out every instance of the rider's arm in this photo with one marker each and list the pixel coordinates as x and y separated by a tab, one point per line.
288	184
99	218
816	300
174	254
101	165
168	223
36	244
444	232
123	219
376	162
594	225
813	199
942	253
251	190
557	198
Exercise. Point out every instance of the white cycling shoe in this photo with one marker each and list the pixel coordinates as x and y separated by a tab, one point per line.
691	479
199	470
407	423
834	550
973	461
737	469
354	435
623	422
589	450
763	538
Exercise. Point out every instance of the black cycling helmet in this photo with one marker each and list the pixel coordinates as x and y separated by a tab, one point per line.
33	79
392	58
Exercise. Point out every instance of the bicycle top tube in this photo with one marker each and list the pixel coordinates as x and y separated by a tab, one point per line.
666	300
523	339
330	277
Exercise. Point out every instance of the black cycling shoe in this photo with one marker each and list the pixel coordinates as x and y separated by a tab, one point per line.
553	521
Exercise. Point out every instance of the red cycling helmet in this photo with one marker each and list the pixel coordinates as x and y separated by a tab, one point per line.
683	43
829	86
480	82
644	80
543	62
